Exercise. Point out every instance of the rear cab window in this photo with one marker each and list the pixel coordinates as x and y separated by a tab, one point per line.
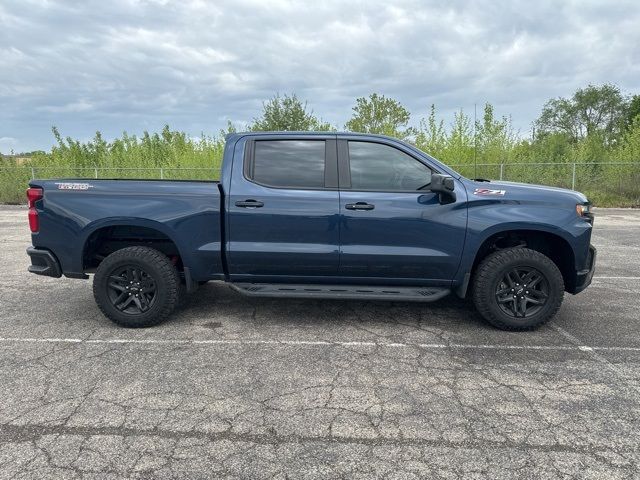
288	163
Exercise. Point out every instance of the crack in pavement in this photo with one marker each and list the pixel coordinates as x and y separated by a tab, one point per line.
29	433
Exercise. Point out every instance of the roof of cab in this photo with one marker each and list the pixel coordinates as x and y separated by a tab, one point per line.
310	133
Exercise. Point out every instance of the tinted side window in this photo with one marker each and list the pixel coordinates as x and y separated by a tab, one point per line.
375	166
289	163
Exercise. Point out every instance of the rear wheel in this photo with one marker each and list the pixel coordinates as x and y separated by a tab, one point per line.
136	287
517	289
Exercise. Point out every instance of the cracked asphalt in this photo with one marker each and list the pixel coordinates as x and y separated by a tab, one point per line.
236	387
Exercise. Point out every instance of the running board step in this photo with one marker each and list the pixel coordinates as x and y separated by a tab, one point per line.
350	292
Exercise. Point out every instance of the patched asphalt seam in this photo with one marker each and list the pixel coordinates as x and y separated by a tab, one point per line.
29	433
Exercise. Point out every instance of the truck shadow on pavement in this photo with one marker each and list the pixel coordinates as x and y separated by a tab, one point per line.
218	303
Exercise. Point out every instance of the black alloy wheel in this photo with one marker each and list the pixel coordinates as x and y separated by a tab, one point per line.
131	289
522	292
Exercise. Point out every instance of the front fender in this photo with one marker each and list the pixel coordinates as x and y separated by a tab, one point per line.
490	217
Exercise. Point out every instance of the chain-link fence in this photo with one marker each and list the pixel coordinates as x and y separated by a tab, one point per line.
606	183
567	175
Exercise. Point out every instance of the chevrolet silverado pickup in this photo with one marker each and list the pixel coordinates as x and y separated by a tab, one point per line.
317	215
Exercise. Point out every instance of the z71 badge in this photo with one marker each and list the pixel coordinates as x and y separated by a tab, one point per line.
73	186
489	192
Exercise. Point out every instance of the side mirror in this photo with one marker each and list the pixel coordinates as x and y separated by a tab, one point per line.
445	186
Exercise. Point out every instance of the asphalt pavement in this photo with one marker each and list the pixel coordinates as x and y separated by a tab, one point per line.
238	387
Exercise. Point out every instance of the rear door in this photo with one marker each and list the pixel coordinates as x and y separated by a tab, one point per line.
283	209
393	228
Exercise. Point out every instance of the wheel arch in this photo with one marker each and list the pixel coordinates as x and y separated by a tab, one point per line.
128	232
549	242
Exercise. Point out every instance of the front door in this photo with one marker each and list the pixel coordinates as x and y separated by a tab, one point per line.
393	228
283	210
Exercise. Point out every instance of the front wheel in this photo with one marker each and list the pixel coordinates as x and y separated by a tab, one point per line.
517	289
136	287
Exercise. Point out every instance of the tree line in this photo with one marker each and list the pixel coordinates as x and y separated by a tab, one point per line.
597	124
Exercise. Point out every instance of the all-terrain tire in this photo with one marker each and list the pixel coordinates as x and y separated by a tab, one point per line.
490	275
158	272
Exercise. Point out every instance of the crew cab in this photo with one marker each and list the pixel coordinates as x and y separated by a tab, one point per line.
317	215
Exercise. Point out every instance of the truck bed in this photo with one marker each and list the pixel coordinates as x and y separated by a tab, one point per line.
74	212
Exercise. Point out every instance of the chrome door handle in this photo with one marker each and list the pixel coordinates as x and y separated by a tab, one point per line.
359	206
250	203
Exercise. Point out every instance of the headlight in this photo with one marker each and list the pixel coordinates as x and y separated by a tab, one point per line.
584	210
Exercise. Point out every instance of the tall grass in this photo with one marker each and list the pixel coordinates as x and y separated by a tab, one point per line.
129	156
174	155
167	149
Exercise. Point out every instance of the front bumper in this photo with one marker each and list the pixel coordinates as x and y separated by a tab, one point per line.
43	262
583	277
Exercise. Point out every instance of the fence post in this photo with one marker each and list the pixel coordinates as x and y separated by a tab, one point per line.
501	170
96	172
573	177
161	173
33	173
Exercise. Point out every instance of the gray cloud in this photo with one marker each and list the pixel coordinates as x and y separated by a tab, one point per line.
135	65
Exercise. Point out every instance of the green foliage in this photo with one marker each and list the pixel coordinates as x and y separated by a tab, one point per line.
591	110
178	155
381	115
492	140
499	153
460	143
286	114
629	149
553	147
585	129
167	149
633	110
494	137
431	135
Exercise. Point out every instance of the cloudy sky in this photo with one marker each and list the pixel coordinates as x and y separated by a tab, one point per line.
134	65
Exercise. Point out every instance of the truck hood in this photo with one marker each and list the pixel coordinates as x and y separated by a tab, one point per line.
523	191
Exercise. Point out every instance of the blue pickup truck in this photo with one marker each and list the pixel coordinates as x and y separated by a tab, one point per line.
317	215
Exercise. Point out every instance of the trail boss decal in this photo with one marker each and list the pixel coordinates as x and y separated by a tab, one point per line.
73	186
489	192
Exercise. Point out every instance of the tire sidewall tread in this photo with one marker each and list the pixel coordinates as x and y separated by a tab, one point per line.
155	263
491	270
